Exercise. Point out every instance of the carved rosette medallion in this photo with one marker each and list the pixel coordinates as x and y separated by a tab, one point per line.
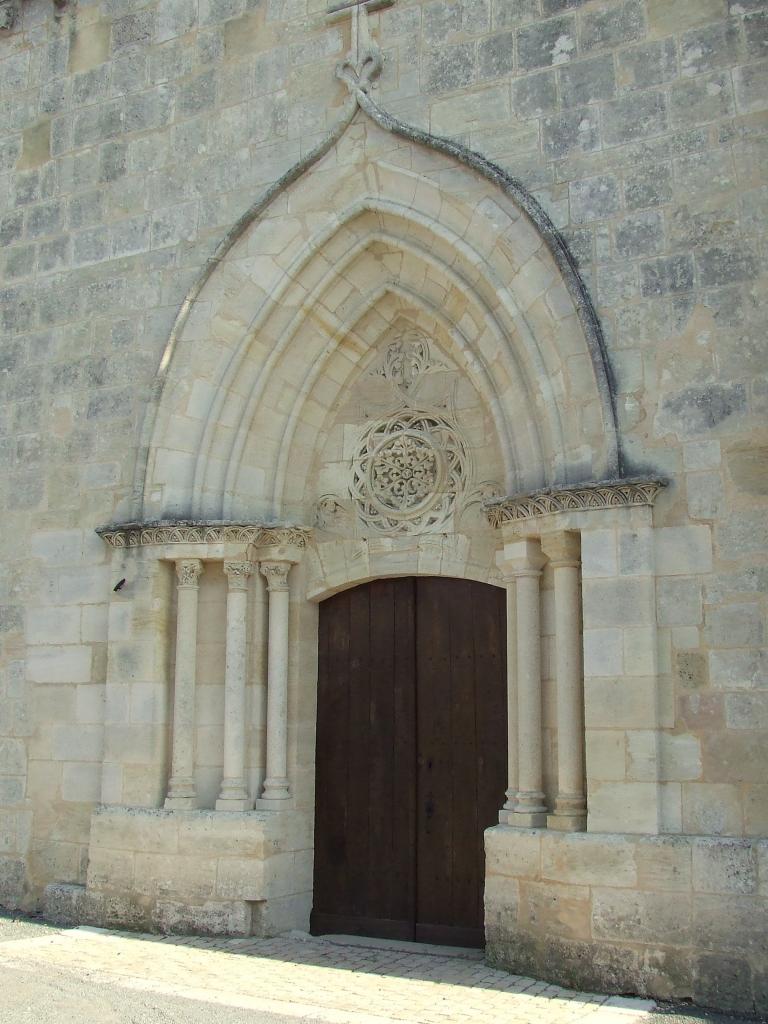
408	471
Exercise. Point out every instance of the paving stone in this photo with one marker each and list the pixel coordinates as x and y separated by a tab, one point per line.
341	982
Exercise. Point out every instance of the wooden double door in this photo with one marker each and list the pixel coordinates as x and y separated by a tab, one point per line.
411	757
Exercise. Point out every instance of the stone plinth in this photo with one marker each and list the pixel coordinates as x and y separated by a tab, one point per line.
201	872
673	917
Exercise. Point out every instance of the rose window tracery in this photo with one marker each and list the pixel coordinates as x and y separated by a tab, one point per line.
408	471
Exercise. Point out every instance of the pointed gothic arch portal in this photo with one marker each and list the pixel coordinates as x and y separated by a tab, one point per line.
393	335
288	313
411	757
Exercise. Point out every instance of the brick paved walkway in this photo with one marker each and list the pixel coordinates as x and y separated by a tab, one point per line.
321	979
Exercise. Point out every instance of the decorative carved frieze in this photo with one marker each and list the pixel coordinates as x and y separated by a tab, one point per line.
134	535
579	498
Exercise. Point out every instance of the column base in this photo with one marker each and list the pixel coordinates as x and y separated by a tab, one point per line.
233	803
527	819
180	803
568	821
276	789
233	796
182	795
265	803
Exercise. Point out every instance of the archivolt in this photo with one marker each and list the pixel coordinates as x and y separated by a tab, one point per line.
290	306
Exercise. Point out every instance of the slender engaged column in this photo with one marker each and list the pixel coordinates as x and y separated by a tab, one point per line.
182	794
511	792
234	793
570	807
276	785
525	562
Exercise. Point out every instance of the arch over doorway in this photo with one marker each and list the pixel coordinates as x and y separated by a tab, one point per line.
376	229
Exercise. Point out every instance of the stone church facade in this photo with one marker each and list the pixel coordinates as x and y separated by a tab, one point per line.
299	301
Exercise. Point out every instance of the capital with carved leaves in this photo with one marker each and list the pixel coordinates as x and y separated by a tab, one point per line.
237	574
188	572
276	574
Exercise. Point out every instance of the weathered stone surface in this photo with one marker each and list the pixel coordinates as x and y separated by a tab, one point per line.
551	42
697	409
634	116
611	25
576	130
535	94
594	198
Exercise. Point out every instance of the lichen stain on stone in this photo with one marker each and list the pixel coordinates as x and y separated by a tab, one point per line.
695	409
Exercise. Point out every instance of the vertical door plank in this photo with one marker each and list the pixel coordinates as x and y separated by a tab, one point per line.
460	598
404	747
434	824
359	762
330	881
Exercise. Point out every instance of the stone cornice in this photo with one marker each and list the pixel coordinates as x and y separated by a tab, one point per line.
606	494
136	535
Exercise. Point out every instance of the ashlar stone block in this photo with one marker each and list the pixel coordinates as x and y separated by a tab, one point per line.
663	918
724	866
547	43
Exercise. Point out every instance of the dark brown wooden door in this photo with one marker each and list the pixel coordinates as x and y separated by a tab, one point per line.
411	757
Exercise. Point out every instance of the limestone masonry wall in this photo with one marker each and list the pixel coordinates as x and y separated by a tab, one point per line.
134	134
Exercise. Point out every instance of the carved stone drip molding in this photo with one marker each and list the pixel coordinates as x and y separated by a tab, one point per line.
607	494
135	535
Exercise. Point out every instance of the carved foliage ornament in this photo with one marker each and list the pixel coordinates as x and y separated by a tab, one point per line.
276	574
237	574
406	361
618	494
408	471
188	572
134	535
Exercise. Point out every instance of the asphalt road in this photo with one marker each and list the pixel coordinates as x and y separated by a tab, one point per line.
42	994
51	996
47	995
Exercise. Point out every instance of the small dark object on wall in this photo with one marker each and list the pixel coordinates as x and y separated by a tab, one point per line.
119	585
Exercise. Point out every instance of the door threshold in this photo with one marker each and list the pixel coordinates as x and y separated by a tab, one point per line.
403	946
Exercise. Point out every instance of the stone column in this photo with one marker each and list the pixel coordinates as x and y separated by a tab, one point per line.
234	793
276	786
181	787
524	561
511	792
570	815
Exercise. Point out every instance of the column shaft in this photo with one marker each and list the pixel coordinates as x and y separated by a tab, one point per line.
570	806
234	793
530	809
276	785
512	728
181	786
